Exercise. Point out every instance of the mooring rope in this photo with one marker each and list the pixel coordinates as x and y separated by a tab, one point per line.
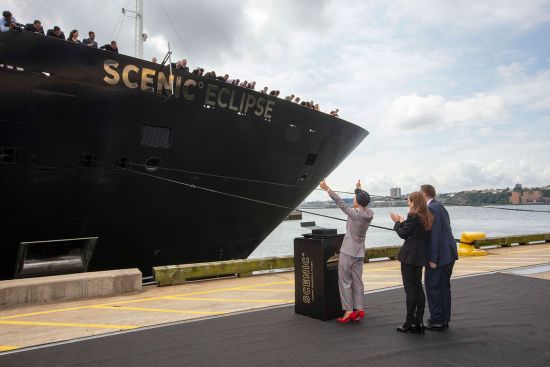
315	187
246	179
193	186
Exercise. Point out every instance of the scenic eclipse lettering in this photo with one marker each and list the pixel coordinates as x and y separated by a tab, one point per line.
227	98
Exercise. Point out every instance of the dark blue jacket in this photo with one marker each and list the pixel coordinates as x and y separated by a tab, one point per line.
442	250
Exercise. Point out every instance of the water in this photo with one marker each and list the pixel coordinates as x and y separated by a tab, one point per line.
490	221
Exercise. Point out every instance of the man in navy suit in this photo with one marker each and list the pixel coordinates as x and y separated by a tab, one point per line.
442	254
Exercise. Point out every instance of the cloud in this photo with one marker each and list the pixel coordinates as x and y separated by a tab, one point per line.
415	112
458	176
522	90
160	43
476	175
522	15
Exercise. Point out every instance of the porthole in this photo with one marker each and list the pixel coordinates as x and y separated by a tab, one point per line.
152	164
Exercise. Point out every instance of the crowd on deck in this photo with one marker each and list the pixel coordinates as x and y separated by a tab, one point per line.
9	23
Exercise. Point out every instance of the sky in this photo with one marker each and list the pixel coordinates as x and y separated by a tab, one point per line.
454	93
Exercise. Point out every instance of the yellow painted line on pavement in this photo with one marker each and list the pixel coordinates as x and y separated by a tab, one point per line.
66	324
200	293
233	300
263	290
473	266
5	348
42	312
165	310
382	269
526	256
499	259
139	300
522	251
523	257
383	283
512	261
388	271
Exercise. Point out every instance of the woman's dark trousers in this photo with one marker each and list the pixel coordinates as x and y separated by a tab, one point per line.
416	300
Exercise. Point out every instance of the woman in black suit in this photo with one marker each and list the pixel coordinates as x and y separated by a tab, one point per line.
415	231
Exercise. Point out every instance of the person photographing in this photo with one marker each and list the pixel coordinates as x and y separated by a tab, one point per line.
8	22
352	252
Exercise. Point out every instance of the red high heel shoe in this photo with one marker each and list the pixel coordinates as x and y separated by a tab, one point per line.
359	315
345	320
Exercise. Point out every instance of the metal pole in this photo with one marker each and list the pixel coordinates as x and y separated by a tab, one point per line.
139	30
170	62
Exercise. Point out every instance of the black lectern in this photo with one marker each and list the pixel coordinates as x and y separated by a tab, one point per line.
316	274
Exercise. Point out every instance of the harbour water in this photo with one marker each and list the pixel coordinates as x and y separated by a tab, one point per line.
491	221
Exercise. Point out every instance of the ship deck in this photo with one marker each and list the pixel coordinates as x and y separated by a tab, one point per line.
220	314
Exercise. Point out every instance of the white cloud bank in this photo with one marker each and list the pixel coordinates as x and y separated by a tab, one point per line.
414	112
449	177
522	15
516	90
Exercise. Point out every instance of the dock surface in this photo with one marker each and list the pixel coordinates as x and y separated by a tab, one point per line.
47	323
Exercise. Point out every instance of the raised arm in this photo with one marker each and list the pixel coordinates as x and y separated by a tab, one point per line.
405	229
351	212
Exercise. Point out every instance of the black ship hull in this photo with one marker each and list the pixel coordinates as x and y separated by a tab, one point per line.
83	132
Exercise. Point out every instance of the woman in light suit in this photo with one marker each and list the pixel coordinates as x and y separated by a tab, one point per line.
352	252
415	230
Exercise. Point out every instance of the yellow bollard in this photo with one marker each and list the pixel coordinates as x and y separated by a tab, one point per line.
465	248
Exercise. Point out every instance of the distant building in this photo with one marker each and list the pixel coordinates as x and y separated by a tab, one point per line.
518	187
395	193
525	196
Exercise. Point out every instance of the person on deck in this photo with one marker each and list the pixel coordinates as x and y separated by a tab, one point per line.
35	27
352	252
90	41
7	22
113	47
73	36
184	66
412	256
56	33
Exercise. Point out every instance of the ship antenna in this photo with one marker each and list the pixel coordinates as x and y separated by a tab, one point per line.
168	58
139	36
171	74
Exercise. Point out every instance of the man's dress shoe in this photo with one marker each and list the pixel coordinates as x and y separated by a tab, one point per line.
438	326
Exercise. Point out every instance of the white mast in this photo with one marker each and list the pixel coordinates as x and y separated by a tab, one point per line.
139	35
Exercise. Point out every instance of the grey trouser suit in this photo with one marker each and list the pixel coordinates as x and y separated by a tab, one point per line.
352	254
350	282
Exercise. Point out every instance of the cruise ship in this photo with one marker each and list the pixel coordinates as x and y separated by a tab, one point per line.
108	161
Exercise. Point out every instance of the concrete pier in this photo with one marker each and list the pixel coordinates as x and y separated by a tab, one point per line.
68	287
38	324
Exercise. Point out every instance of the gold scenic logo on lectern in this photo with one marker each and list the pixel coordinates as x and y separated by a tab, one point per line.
308	291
